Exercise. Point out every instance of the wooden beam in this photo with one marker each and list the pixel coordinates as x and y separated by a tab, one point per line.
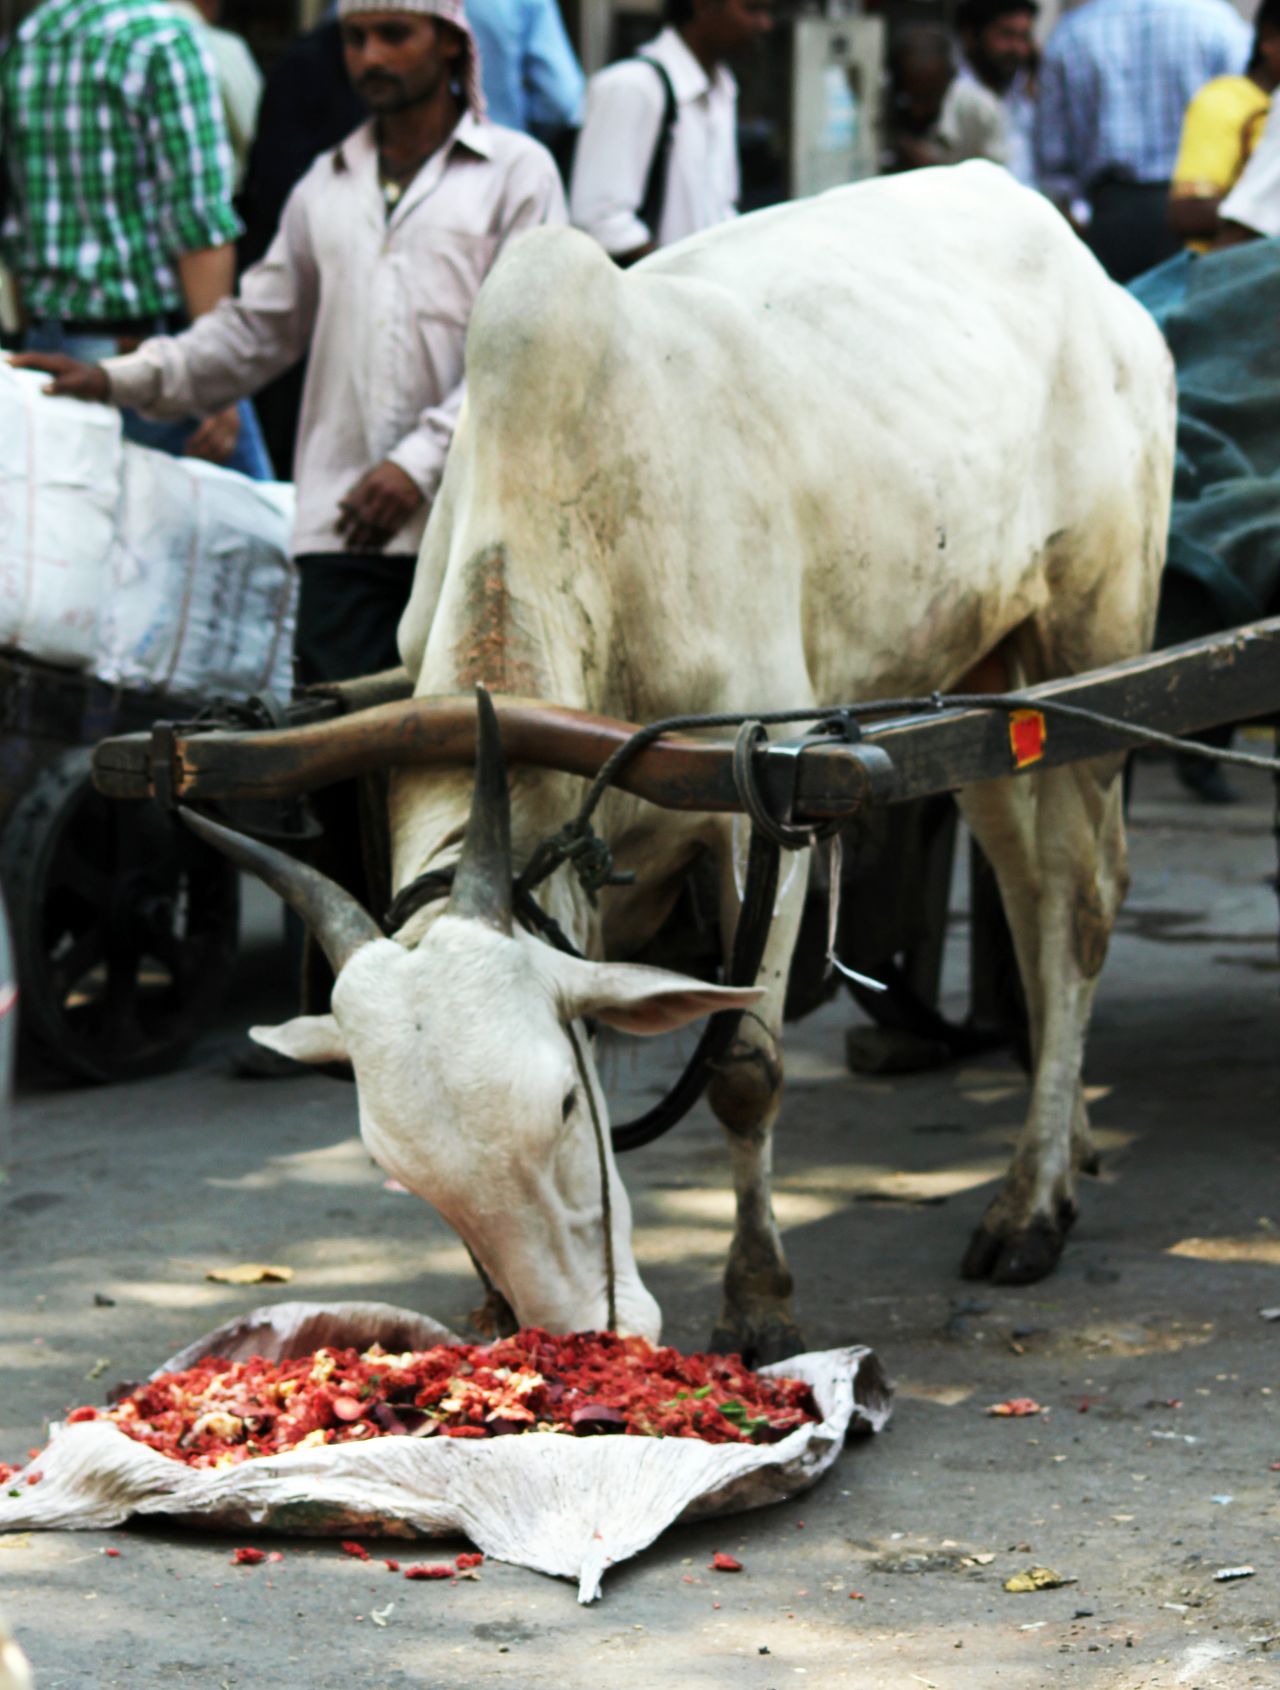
1227	678
678	772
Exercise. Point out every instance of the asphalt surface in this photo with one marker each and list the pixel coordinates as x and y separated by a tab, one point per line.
1150	1469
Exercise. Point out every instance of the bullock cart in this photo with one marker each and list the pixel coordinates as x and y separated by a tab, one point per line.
124	924
848	763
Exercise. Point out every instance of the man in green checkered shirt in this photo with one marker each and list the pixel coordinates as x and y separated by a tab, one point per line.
120	222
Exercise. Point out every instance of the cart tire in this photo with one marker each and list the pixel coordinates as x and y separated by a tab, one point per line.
125	926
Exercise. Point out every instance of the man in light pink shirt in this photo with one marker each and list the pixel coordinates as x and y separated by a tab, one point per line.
381	251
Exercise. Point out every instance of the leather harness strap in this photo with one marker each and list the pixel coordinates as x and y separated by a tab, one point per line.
750	937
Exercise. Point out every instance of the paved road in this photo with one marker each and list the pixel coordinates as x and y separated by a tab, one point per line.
1150	1470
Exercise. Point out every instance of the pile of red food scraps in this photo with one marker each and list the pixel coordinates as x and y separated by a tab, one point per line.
219	1413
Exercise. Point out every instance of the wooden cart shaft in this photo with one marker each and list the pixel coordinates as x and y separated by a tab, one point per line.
1228	677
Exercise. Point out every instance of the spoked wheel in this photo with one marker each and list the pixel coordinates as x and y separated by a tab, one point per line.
124	925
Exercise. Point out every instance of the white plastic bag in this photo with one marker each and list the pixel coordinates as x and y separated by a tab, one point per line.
204	593
154	572
60	464
572	1507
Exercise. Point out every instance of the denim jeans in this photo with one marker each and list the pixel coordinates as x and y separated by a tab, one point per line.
250	456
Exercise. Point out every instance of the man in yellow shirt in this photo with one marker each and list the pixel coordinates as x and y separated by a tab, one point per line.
1219	132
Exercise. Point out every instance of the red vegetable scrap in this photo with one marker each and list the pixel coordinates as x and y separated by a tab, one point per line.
220	1413
113	1553
275	1555
471	1558
248	1557
427	1571
357	1549
722	1563
1016	1407
8	1472
392	1566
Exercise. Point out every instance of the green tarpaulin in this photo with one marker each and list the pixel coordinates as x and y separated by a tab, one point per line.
1221	317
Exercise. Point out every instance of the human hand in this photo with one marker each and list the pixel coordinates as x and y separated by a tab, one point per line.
215	439
377	507
72	379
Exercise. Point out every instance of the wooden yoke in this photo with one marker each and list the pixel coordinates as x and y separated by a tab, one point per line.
818	779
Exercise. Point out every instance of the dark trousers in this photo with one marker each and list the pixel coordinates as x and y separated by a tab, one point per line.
349	605
1130	230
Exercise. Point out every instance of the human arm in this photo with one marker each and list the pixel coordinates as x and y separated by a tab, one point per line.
619	138
195	180
551	74
239	346
1209	160
1194	217
207	278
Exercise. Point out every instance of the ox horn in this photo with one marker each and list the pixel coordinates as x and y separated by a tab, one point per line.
338	921
482	879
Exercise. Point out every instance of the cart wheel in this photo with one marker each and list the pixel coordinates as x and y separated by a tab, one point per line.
124	925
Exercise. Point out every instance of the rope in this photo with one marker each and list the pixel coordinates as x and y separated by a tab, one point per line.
1112	724
606	1201
576	843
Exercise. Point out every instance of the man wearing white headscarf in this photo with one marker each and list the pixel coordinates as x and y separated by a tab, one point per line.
382	248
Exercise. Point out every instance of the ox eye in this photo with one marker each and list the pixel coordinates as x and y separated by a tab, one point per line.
570	1103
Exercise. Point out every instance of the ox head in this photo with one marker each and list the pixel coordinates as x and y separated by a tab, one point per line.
471	1091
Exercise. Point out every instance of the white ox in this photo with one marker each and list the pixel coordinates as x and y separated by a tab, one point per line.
843	449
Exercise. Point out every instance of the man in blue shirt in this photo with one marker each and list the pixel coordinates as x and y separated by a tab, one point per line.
532	81
1115	81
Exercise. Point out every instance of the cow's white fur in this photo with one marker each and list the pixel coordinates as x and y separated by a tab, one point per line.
841	449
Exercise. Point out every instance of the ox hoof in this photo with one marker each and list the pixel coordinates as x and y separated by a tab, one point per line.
1021	1257
758	1349
1029	1255
1091	1163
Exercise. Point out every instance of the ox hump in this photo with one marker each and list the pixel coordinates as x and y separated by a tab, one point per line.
548	304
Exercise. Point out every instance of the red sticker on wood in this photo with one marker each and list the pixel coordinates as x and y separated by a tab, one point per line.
1026	737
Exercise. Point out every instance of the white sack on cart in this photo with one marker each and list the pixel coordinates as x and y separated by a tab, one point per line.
204	593
60	464
571	1507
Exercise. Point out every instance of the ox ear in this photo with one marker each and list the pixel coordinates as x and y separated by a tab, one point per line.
307	1038
636	999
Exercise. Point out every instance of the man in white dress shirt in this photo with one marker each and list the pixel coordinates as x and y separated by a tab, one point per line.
382	248
657	158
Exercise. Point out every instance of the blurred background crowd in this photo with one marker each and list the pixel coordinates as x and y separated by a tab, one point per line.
1136	117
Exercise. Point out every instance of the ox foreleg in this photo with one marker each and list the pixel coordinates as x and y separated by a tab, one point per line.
746	1093
1056	842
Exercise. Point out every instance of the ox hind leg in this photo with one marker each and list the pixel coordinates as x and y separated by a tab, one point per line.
756	1316
1056	842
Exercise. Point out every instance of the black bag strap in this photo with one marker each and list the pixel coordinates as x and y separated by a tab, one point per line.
651	206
